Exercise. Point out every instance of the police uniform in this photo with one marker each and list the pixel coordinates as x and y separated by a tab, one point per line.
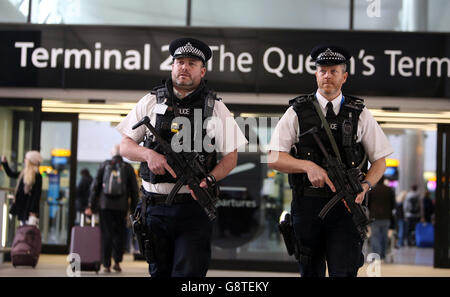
334	240
182	230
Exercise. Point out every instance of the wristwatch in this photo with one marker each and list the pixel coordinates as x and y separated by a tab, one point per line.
368	183
211	180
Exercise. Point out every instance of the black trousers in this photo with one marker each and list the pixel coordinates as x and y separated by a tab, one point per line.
410	230
113	229
183	239
333	241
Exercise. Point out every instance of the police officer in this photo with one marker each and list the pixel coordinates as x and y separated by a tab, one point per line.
182	231
333	241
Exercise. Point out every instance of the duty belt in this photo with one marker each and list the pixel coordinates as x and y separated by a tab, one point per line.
160	199
317	192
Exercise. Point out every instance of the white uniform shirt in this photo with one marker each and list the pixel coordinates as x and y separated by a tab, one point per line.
369	133
221	126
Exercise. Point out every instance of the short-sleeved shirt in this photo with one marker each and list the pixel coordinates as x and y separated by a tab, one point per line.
369	133
222	127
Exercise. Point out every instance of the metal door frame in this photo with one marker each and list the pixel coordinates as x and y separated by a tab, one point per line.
442	225
36	104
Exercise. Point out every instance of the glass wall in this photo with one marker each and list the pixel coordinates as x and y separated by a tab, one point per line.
438	20
402	15
392	15
378	15
110	12
14	11
324	14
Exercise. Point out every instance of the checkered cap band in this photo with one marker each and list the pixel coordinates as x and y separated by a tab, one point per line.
188	49
330	55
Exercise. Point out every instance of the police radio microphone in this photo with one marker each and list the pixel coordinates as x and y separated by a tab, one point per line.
144	120
347	133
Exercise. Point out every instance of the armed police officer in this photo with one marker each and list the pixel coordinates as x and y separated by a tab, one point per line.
179	232
298	147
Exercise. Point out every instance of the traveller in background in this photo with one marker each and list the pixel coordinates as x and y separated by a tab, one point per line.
400	218
381	206
28	190
412	209
83	191
114	191
428	208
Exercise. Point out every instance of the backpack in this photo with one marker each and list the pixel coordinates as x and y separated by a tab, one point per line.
113	179
413	205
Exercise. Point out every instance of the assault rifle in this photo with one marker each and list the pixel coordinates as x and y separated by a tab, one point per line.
348	185
189	170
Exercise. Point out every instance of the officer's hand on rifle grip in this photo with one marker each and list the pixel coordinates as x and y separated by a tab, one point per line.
157	163
318	176
203	184
360	197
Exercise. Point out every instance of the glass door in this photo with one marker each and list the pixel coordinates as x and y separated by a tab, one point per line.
252	199
58	149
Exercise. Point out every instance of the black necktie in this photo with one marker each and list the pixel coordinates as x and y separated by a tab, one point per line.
330	111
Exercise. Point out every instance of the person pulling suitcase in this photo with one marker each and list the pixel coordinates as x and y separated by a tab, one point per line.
114	191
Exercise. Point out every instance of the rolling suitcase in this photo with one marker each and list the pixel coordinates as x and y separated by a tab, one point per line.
424	235
26	246
86	242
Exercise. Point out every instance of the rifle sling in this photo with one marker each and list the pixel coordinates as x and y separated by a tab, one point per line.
360	166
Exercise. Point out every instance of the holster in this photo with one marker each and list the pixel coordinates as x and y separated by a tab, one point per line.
287	231
150	249
293	245
153	247
140	231
144	237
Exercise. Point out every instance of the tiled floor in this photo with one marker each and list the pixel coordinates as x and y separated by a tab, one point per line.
408	261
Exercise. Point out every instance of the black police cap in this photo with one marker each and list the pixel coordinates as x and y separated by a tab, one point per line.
328	55
190	47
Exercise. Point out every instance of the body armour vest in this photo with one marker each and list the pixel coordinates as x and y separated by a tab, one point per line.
343	127
201	100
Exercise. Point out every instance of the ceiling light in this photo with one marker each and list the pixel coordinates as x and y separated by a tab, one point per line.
101	118
429	127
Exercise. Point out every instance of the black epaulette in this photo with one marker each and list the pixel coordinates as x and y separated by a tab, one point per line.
160	92
354	102
301	99
212	94
210	100
155	89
